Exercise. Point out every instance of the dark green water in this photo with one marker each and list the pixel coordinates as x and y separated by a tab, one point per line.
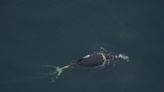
56	32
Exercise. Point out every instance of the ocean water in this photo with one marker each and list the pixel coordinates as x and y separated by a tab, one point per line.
35	33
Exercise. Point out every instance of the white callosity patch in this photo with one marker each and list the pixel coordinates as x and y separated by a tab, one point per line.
123	57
